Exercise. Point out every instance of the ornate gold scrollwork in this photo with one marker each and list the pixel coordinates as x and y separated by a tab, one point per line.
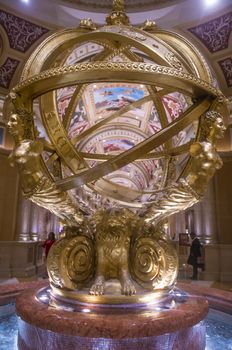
153	260
53	263
149	259
147	262
77	260
70	261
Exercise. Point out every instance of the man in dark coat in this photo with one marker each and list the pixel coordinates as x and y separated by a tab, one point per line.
195	253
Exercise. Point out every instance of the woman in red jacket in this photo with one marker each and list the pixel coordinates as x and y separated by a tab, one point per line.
49	242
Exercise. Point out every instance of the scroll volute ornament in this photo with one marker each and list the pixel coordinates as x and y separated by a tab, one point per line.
124	247
71	260
153	259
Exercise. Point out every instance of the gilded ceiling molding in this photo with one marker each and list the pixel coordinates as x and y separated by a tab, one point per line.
214	34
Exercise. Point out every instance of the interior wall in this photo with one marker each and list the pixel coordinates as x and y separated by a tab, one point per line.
9	187
223	190
20	219
224	144
34	222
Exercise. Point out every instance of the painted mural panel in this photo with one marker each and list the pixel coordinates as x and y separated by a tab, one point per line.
63	98
113	98
79	120
117	145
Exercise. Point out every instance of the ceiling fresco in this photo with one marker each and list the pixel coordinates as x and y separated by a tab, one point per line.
7	70
226	67
215	34
20	32
18	36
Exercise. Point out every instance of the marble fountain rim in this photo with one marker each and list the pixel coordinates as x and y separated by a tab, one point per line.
116	326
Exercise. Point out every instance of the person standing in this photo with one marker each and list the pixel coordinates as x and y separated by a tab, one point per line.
195	253
49	242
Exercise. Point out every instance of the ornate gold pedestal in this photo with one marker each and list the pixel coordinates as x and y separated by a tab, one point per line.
123	247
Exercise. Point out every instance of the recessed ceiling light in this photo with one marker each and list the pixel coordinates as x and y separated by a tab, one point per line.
211	2
26	1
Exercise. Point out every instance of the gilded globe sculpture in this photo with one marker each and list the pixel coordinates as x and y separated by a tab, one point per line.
127	120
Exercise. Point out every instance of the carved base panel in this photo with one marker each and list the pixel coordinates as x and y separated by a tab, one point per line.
173	323
145	261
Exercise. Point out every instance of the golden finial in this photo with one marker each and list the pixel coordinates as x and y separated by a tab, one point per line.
149	25
118	15
118	5
87	23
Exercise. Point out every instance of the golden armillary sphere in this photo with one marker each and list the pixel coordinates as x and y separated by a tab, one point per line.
112	117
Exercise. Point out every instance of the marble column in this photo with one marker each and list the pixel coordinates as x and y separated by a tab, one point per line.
177	225
223	191
49	223
205	216
23	219
55	225
34	221
42	229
